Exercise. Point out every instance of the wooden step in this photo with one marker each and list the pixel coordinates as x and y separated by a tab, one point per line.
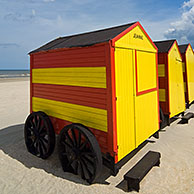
138	172
185	118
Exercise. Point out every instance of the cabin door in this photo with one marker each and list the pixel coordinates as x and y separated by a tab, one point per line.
124	78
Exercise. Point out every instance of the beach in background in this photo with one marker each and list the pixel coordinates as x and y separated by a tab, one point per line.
22	173
14	73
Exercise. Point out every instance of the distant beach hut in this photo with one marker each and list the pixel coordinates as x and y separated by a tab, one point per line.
171	84
188	71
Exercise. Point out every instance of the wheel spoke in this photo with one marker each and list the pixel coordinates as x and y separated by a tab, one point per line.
40	148
69	138
31	137
82	146
66	144
74	137
76	167
82	171
33	143
32	123
36	148
69	163
30	126
43	145
88	160
41	128
89	153
36	121
45	140
79	138
43	133
87	169
39	123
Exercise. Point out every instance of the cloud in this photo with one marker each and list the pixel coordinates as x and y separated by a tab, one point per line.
183	29
20	17
9	45
48	1
33	12
188	3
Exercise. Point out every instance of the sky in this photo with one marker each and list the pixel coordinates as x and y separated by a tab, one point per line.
28	24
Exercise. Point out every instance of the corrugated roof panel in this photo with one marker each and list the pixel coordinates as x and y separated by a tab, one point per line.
183	48
164	46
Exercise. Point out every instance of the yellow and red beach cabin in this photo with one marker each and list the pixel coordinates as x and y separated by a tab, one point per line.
105	81
171	84
188	71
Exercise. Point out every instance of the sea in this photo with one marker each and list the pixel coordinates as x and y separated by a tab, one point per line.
14	73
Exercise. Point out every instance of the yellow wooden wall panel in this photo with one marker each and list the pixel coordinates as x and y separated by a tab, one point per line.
146	70
89	116
72	76
162	95
146	110
135	39
125	101
161	70
190	73
176	82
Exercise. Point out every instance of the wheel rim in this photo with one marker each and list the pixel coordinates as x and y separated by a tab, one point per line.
77	153
39	135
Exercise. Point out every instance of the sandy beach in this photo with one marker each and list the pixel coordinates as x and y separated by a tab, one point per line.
22	173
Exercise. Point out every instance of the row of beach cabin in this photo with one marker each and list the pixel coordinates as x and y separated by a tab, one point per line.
115	81
175	75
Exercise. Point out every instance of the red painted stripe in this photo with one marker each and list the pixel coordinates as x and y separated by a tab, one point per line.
97	92
146	91
136	73
93	97
31	88
70	61
69	55
46	65
79	57
168	86
162	82
164	107
113	103
185	77
101	136
69	49
157	90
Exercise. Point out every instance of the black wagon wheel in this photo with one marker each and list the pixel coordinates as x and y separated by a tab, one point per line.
79	152
39	135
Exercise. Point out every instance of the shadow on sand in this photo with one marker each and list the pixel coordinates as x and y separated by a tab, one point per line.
12	143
